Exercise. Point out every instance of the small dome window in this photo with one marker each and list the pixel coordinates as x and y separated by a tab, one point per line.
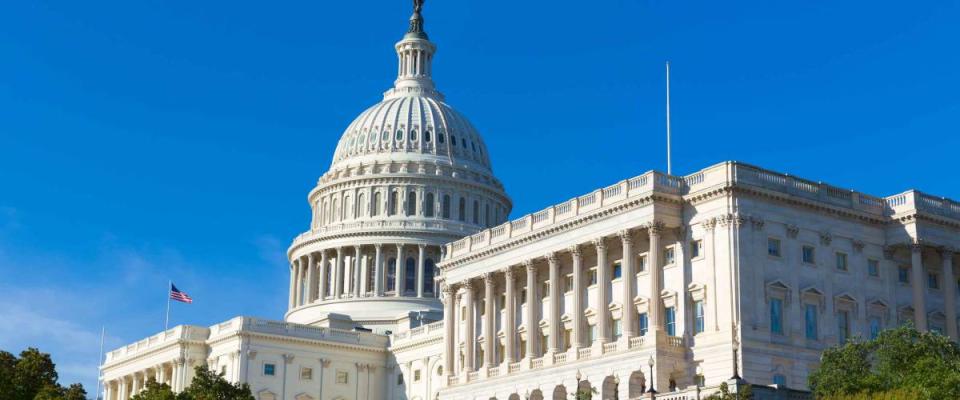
473	146
413	134
441	137
453	140
386	135
373	136
463	142
399	134
426	136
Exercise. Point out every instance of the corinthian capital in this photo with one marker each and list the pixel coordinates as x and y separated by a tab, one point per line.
575	251
626	237
530	266
551	258
600	243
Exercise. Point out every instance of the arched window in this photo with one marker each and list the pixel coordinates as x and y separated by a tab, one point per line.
441	137
411	203
446	206
336	210
360	212
463	210
476	212
399	135
427	136
428	206
486	215
386	135
323	212
347	208
376	204
453	140
391	275
394	203
463	142
410	280
428	272
413	135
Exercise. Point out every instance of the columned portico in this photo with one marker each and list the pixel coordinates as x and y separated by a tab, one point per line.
533	302
917	283
556	301
510	317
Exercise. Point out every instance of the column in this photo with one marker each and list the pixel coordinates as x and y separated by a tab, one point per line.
106	390
629	278
401	271
356	271
449	322
293	285
556	300
298	285
655	306
338	274
489	337
421	259
510	323
322	270
578	334
603	291
364	276
311	288
121	389
378	270
917	280
533	301
950	292
469	336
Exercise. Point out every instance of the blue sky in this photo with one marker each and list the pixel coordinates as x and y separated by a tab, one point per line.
145	141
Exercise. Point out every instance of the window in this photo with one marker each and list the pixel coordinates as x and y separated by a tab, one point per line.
376	204
874	327
617	270
593	276
873	268
903	274
386	135
391	274
773	247
617	329
642	264
399	134
780	379
410	280
446	206
644	323
399	379
841	261
413	134
810	321
568	284
809	255
416	375
545	289
441	138
269	369
671	321
223	370
933	281
698	325
462	216
476	212
668	256
428	206
427	136
776	316
592	333
523	296
411	203
306	374
700	380
696	248
843	326
429	271
394	203
343	377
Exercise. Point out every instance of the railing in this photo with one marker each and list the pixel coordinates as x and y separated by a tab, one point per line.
636	342
609	347
536	363
675	341
559	358
513	368
472	376
584	352
493	372
453	380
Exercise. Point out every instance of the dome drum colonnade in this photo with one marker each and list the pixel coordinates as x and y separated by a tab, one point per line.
408	175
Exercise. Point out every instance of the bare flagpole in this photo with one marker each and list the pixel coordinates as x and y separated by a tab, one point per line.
96	394
166	323
669	166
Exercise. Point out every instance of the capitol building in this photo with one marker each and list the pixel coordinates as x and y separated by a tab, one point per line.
411	282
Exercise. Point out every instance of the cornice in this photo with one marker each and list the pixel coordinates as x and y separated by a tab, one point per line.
418	343
179	344
380	179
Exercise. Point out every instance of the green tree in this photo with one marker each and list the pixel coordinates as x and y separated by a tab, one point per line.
207	385
924	364
74	392
155	391
33	376
743	393
8	364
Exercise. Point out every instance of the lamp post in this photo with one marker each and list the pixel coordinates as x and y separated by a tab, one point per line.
650	363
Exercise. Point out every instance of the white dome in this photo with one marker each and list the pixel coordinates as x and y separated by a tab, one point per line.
412	127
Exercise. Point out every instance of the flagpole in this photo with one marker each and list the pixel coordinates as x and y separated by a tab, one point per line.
669	166
96	395
166	322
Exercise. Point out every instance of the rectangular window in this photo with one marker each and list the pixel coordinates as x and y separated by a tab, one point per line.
780	380
843	326
841	261
669	256
903	274
699	325
523	296
644	323
269	369
593	276
873	268
776	316
810	321
416	375
568	284
566	338
617	328
809	255
642	264
671	321
306	374
545	289
696	248
343	377
773	247
617	270
592	333
874	327
933	281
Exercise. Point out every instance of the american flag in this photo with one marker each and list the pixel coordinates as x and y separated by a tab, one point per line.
177	295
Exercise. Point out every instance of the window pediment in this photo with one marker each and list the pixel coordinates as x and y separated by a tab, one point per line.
698	291
779	290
